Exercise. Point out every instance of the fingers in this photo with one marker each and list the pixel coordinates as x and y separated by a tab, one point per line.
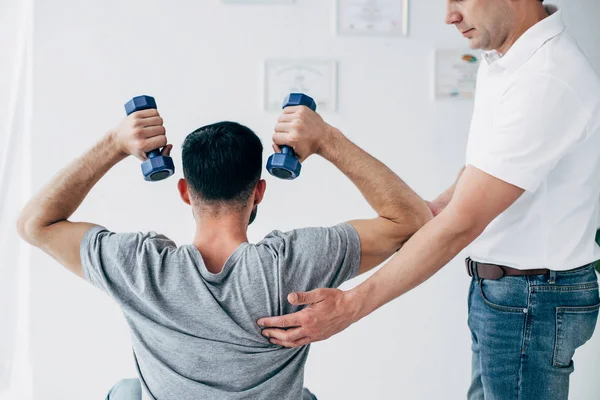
298	343
290	335
284	127
291	338
151	121
300	298
286	118
286	321
153	143
148	122
293	109
166	151
151	112
285	139
153	131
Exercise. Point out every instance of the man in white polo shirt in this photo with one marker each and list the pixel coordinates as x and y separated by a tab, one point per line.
526	203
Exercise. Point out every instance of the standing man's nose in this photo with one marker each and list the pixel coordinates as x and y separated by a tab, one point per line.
452	16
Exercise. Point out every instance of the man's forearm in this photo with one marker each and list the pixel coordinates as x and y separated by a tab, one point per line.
414	263
59	199
389	196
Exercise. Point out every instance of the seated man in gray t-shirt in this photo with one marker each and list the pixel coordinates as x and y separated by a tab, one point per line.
192	309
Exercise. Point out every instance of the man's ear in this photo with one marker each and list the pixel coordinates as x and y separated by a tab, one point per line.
182	187
259	191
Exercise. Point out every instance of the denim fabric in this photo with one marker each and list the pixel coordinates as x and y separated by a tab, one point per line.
127	389
525	330
131	389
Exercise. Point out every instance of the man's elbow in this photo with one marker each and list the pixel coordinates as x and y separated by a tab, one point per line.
419	217
411	222
423	215
28	230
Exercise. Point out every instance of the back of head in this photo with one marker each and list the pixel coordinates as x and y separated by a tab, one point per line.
222	163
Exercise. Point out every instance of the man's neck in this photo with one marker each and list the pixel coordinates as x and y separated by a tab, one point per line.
218	237
528	18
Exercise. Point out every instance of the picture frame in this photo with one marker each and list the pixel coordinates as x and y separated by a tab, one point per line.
315	78
455	73
372	17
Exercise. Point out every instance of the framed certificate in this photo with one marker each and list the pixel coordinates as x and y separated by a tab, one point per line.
372	17
456	74
316	78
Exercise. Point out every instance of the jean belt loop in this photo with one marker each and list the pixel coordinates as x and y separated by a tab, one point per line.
552	278
474	269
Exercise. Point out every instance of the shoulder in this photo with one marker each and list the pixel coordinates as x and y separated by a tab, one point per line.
562	63
299	237
151	240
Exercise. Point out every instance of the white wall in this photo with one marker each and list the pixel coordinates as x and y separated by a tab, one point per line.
15	95
202	60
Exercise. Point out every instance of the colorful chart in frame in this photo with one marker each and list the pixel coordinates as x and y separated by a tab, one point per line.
456	74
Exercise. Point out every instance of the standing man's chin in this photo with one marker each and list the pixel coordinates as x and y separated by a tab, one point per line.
473	44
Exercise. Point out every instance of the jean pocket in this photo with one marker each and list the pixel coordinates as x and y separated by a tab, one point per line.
574	327
504	295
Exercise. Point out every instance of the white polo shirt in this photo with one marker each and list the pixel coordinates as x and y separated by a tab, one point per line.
536	125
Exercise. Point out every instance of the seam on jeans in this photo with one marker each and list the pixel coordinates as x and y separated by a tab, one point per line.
528	321
578	310
526	332
554	350
576	270
521	362
566	288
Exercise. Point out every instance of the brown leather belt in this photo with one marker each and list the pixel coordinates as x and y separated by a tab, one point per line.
493	271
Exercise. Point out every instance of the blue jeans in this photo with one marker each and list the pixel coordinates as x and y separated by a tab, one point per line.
525	330
127	389
131	389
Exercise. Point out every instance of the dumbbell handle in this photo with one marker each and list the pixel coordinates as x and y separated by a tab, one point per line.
146	103
287	150
153	153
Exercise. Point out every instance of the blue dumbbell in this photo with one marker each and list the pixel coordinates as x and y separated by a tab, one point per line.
157	167
285	165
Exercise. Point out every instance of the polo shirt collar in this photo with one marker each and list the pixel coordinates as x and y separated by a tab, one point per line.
531	41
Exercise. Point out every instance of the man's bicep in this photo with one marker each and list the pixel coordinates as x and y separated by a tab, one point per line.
380	238
62	241
480	197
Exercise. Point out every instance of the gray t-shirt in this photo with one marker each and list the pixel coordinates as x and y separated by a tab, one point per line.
194	333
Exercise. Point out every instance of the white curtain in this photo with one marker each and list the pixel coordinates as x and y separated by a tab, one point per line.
16	30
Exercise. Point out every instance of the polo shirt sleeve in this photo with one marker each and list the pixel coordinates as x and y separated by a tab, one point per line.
536	123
